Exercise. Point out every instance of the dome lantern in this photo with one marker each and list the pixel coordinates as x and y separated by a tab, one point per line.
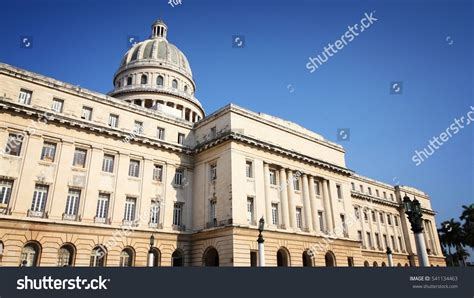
159	29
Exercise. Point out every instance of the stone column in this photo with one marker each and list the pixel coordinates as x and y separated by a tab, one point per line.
327	207
291	199
314	209
284	199
268	202
307	205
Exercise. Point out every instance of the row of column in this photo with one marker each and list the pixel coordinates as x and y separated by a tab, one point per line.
287	201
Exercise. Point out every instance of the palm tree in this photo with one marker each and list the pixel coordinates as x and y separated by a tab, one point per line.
451	235
468	226
461	255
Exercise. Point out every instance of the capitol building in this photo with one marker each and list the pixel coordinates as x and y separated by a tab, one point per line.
87	179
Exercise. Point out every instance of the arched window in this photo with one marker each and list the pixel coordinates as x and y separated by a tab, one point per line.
66	256
399	265
1	251
383	264
186	88
366	264
283	257
129	81
174	84
330	259
30	255
156	257
210	257
126	258
375	264
144	80
406	264
98	256
307	259
159	81
177	259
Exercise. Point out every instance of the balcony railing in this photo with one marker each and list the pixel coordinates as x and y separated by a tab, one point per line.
102	220
155	225
130	223
70	217
38	214
211	224
181	228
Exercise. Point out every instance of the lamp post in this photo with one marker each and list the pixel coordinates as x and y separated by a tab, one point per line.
150	251
389	257
261	249
413	211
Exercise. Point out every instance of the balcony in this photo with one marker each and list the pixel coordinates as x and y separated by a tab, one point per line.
4	209
101	220
211	224
180	228
70	217
155	225
38	214
130	223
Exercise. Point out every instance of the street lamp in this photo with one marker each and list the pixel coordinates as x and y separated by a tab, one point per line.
413	211
261	249
150	251
389	257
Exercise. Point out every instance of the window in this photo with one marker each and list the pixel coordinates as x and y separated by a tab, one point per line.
393	242
155	212
275	214
25	96
65	256
212	211
79	158
126	258
178	177
359	235
174	84
14	144
321	221
253	259
273	180
385	241
129	81
299	219
366	215
138	127
57	105
296	183
98	257
177	214
317	188
400	243
389	219
356	212
130	204
5	191
377	193
108	163
353	186
374	218
102	206
369	240
159	81
249	210
391	197
48	152
361	188
72	202
339	191
86	113
395	218
384	195
30	255
144	80
369	190
213	132
381	217
181	138
158	173
343	224
213	172
350	261
249	169
377	240
39	198
160	133
134	168
186	88
113	120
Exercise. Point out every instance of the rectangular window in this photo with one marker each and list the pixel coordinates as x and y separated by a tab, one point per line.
178	177
181	138
317	188
366	215
158	173
138	127
359	235
361	188
356	212
391	197
321	221
339	191
395	218
25	96
393	243
250	210
369	190
374	218
212	210
400	243
108	163
353	186
177	214
39	198
275	214
57	105
389	219
160	133
48	152
377	193
385	240
381	217
273	180
377	240
384	195
102	206
299	219
213	132
79	158
86	113
130	206
155	212
296	183
343	224
249	169
72	202
113	120
350	261
253	259
134	168
14	144
5	191
213	172
369	240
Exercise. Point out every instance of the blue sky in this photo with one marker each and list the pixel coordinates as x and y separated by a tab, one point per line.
427	45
